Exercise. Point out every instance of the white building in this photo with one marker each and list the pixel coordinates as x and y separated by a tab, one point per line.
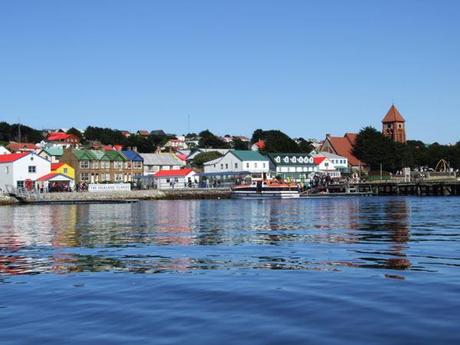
340	163
4	151
326	167
175	179
238	161
154	162
22	169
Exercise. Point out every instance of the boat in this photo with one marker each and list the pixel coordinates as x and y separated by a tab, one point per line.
265	189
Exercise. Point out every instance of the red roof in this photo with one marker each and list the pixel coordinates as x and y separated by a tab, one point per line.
393	115
15	147
56	166
318	159
50	176
60	136
181	156
12	157
173	173
343	146
260	144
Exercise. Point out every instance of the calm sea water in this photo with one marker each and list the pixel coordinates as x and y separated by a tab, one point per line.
311	271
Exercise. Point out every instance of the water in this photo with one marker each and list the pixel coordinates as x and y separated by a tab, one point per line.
316	271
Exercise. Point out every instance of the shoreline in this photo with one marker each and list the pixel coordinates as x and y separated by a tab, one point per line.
135	195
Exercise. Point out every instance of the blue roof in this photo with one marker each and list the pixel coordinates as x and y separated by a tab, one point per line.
132	156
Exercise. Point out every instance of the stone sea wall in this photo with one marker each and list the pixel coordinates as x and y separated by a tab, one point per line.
126	195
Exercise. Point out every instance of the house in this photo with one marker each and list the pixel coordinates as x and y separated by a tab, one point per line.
15	147
134	161
241	137
63	169
55	182
176	143
343	146
96	166
239	160
326	167
21	170
196	152
53	153
143	133
175	179
158	132
4	151
340	163
259	145
126	134
296	167
154	162
63	139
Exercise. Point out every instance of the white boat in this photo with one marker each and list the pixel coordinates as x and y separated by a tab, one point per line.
265	189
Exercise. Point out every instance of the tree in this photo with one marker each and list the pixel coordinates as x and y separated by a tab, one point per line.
373	148
239	144
209	140
204	157
257	135
304	145
75	132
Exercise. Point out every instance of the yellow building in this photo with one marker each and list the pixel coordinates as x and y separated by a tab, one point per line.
64	169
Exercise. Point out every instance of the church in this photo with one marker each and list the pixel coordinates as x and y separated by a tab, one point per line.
393	126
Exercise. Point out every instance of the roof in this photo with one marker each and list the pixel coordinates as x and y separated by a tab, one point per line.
54	150
14	146
58	136
260	144
214	161
12	157
161	159
293	159
84	154
343	146
173	173
132	156
318	159
393	115
143	132
329	155
181	156
55	166
53	175
158	132
196	152
243	155
113	156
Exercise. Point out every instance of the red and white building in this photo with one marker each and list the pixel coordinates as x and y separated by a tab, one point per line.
175	179
64	139
22	170
325	166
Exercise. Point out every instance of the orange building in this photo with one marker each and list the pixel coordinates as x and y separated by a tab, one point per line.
393	125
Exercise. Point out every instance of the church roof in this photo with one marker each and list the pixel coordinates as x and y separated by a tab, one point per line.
393	115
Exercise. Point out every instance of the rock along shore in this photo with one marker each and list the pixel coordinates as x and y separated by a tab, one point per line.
152	194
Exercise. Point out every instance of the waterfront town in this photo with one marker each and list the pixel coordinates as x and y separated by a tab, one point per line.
98	159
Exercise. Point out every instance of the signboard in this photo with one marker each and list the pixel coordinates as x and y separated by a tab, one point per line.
115	187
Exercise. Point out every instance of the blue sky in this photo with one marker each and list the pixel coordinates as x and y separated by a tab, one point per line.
305	67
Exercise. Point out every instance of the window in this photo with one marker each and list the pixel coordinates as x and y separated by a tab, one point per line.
137	165
226	166
20	184
222	167
236	165
95	164
255	165
7	170
32	169
84	177
263	165
119	177
247	165
65	170
105	165
84	164
118	165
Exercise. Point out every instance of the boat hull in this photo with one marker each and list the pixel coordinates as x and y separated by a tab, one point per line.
288	194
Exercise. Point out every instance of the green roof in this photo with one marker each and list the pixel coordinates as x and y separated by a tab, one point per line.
243	155
54	151
98	154
114	156
83	155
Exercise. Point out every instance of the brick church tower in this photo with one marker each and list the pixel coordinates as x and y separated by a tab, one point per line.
393	125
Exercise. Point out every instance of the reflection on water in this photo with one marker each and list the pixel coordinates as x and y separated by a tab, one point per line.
182	236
